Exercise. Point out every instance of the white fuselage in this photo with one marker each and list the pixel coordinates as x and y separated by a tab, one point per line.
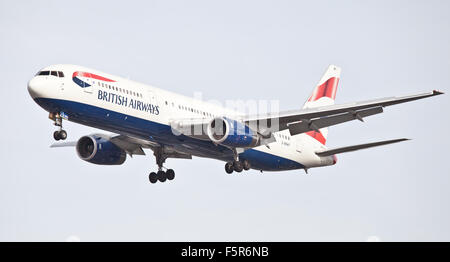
105	95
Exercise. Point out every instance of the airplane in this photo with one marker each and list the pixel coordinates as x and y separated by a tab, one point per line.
174	126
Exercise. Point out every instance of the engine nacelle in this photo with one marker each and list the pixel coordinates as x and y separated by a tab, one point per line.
99	150
231	133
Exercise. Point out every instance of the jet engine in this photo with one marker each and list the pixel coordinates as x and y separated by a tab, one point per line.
99	150
224	131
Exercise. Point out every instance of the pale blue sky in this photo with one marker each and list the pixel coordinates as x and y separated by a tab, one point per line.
232	50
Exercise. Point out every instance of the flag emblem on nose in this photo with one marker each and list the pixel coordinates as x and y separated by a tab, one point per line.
78	77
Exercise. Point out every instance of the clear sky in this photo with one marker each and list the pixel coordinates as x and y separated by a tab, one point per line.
232	50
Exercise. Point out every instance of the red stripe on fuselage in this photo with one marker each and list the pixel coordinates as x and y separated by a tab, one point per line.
317	136
89	75
328	88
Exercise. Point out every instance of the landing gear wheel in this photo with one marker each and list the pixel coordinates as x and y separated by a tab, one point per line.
56	135
170	174
238	166
162	176
153	177
229	168
246	165
62	135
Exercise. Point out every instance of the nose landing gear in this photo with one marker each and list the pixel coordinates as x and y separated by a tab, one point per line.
60	134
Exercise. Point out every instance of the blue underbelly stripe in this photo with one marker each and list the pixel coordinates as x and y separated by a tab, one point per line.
129	125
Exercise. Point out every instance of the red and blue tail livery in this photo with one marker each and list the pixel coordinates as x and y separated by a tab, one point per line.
327	89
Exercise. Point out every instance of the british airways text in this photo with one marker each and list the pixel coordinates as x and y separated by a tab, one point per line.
123	101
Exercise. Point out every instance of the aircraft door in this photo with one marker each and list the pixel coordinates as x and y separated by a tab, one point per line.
152	99
89	85
85	81
298	144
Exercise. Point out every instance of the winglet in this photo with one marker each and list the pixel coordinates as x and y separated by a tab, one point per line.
437	92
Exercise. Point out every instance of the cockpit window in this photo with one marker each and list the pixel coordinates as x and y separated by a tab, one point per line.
44	73
53	73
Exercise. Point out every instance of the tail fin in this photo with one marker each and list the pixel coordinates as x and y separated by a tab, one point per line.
325	91
324	95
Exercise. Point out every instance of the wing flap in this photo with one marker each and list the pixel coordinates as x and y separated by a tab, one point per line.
308	125
340	150
132	146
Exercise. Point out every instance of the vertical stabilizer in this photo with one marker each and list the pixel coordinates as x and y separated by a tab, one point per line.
323	95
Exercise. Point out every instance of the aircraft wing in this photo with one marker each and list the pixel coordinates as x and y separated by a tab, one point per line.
300	121
132	146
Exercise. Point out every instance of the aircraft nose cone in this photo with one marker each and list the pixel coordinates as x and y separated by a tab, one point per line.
35	87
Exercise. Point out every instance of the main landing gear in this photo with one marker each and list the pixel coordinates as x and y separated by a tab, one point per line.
60	134
161	176
237	166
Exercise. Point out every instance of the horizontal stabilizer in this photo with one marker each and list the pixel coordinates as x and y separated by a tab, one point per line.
358	147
